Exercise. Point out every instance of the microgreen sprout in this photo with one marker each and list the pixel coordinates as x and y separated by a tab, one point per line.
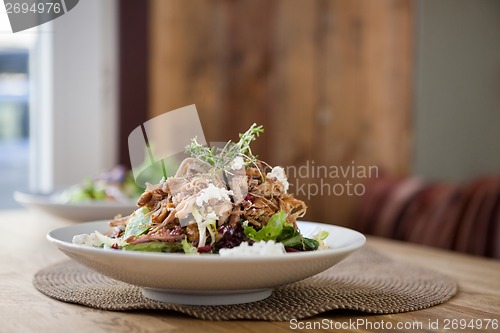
220	158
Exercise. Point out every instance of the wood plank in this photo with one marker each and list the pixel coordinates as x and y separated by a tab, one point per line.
365	105
248	69
186	52
295	93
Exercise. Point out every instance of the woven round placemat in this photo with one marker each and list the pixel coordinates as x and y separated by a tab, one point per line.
367	281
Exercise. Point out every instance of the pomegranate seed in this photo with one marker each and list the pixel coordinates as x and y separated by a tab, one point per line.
291	249
250	198
204	249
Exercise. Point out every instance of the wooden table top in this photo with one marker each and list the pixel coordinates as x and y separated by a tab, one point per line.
25	250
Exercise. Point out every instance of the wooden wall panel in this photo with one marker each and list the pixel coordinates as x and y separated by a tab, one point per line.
329	79
249	68
295	95
296	84
187	49
365	107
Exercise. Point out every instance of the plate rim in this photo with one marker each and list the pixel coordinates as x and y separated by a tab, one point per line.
29	198
60	244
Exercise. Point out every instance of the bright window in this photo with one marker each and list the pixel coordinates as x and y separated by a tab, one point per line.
58	100
15	52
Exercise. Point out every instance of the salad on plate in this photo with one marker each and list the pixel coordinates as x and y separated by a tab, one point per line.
220	201
115	185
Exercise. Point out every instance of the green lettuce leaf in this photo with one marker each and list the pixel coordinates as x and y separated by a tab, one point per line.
296	241
278	230
188	247
139	223
271	231
154	247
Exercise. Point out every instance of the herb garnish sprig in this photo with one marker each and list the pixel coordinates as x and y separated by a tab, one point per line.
221	158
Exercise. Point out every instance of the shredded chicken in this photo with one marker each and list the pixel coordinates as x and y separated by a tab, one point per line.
255	198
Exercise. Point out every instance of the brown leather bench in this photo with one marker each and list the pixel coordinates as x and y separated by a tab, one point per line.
462	217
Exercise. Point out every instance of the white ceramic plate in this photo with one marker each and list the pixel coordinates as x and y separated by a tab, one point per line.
76	212
207	279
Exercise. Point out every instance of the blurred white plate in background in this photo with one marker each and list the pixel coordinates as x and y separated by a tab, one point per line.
78	212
